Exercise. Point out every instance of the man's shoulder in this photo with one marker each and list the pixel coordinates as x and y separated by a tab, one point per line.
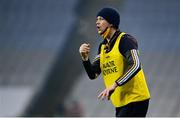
129	38
102	43
126	35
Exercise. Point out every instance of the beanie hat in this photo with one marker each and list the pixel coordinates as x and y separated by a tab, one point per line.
110	15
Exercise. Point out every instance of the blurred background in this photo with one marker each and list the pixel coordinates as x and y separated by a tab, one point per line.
41	72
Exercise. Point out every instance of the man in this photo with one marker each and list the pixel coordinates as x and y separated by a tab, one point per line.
118	60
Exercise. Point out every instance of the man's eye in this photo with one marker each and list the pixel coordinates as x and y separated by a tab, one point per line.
101	18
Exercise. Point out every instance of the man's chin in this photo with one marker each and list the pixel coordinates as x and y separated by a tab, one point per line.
99	32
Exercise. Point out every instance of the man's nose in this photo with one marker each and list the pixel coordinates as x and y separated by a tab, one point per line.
97	22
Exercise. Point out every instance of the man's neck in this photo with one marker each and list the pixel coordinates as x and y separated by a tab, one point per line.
109	37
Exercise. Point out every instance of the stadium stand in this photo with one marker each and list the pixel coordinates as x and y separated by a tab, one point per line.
32	34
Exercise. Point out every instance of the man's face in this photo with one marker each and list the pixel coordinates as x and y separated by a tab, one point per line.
101	24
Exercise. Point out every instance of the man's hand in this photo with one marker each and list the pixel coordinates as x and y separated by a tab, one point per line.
107	92
84	51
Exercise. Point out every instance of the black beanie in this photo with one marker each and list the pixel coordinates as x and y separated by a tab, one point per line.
111	15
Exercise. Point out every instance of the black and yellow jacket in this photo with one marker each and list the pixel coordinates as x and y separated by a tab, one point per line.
119	62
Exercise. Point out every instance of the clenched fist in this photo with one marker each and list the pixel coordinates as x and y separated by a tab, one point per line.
84	51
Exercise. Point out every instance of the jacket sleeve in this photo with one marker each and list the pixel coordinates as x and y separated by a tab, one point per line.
129	49
133	67
92	69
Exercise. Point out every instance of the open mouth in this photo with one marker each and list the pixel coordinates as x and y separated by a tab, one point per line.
98	28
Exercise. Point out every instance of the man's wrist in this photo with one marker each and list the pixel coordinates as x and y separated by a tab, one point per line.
117	84
85	58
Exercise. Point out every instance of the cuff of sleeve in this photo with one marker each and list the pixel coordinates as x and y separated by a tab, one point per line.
117	83
86	63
